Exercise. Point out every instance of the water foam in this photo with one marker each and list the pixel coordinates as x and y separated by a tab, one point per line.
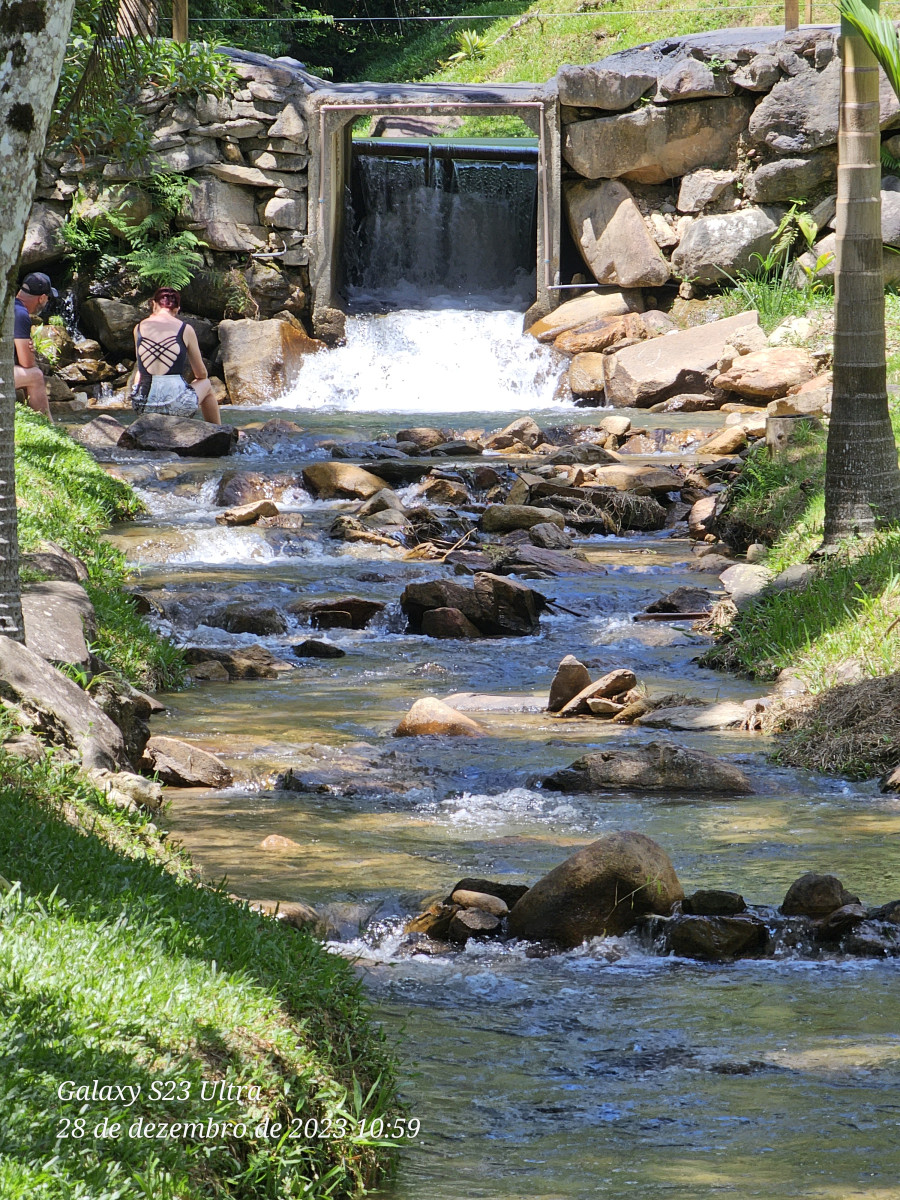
442	361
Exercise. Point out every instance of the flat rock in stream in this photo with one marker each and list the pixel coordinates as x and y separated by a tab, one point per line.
727	714
654	767
240	662
181	765
185	436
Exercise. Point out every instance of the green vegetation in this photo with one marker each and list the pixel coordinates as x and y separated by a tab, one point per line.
65	497
149	248
116	965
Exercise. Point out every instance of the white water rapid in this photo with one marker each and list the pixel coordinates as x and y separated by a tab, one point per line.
446	360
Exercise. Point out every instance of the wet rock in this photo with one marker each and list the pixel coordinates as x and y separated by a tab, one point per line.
471	922
727	714
419	598
509	893
291	912
712	902
241	662
614	683
262	359
869	940
275	842
503	518
209	671
245	487
816	896
59	617
889	912
448	623
181	765
330	480
185	436
716	939
241	617
656	766
346	612
840	922
445	491
58	710
600	890
586	375
312	648
507	608
247	514
480	900
682	600
434	921
421	944
431	717
422	437
101	436
549	537
571	679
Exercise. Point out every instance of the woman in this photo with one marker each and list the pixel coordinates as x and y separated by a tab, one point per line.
165	348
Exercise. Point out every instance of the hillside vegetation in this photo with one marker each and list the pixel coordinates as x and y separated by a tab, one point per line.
530	42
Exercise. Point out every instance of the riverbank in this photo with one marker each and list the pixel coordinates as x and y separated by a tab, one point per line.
834	632
121	970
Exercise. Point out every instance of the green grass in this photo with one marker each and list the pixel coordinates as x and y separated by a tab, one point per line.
844	620
535	49
116	965
65	497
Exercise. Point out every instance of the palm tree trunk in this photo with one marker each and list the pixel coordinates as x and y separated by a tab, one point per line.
862	479
32	44
11	623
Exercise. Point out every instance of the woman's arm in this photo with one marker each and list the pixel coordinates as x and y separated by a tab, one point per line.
195	358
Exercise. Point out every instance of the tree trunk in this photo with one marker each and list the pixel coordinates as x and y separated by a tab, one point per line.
862	479
32	44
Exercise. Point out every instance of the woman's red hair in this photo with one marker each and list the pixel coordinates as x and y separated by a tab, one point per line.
167	298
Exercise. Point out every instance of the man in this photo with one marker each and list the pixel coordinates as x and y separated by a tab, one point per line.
32	296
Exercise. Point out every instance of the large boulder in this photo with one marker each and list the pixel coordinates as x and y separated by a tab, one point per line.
112	323
724	244
58	709
816	896
224	215
687	361
800	114
599	891
612	235
59	621
181	765
768	373
419	598
506	607
657	142
429	717
656	766
341	480
592	306
186	436
785	178
44	243
262	359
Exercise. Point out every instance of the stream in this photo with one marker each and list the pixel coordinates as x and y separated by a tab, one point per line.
603	1071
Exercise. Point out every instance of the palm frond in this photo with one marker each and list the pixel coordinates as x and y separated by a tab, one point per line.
879	34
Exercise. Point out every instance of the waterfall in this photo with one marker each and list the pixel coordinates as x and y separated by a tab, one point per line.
439	223
448	360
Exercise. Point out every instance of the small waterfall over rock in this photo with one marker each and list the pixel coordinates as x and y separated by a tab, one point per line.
433	218
447	360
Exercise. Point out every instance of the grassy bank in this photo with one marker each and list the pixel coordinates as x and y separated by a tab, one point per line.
116	966
521	42
840	633
65	497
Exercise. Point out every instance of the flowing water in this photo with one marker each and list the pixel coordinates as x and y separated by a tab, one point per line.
605	1071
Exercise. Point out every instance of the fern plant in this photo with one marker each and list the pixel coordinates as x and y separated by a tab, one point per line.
167	261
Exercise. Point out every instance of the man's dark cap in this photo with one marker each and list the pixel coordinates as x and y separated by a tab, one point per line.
38	284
